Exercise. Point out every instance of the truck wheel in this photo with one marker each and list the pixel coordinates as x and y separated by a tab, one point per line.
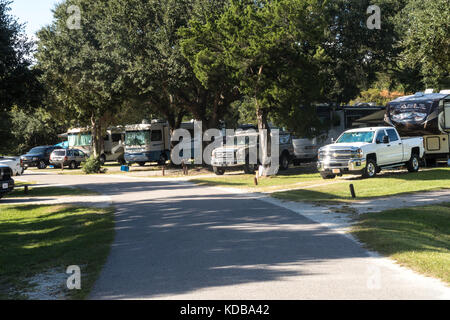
414	164
371	169
249	169
42	165
284	162
219	171
327	176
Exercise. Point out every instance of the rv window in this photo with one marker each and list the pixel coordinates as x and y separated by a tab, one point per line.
137	138
79	140
156	135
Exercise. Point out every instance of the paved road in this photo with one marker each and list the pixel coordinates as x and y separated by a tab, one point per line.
178	241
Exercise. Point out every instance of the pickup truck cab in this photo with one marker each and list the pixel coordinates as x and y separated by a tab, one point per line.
367	151
6	181
238	155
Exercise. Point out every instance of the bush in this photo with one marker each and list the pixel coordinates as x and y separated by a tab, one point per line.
92	165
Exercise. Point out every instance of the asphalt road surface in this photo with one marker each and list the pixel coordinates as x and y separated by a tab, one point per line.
179	241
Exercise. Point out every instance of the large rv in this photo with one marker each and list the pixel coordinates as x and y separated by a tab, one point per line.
147	142
81	138
151	142
426	115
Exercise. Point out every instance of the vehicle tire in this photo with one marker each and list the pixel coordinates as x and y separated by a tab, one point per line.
122	161
162	159
296	162
42	165
249	169
284	162
219	171
413	164
142	164
327	176
371	169
102	159
73	165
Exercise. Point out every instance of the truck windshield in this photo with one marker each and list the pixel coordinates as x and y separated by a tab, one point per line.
351	137
37	150
79	139
137	138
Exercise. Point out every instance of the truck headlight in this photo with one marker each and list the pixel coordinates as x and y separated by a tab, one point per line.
359	153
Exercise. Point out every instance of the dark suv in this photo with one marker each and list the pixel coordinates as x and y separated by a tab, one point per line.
6	182
38	157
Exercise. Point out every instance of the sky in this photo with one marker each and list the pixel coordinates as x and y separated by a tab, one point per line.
35	13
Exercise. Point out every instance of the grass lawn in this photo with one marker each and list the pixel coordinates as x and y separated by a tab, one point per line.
294	177
35	239
386	185
418	238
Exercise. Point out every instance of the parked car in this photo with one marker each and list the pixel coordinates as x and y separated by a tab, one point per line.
38	157
305	150
238	155
367	151
71	158
14	163
6	181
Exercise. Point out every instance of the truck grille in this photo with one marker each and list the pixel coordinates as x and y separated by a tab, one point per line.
225	155
341	155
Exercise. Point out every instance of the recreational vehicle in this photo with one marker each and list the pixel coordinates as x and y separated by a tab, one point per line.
426	115
113	148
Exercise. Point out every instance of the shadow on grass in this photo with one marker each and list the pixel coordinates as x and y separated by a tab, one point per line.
34	239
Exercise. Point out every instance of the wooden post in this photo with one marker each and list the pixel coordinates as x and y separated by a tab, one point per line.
352	191
25	189
256	179
164	171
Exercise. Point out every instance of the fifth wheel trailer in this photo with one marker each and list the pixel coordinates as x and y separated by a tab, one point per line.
426	115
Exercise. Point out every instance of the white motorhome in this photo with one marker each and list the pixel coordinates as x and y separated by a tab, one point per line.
147	142
81	138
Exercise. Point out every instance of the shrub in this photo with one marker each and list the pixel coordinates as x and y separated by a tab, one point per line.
92	165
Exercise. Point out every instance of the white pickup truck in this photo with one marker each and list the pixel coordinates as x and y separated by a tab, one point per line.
367	151
14	163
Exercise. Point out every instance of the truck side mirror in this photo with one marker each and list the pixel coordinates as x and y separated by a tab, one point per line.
386	139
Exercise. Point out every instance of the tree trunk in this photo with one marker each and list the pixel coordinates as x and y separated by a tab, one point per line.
96	136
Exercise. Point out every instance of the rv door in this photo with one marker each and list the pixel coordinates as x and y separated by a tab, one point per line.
447	115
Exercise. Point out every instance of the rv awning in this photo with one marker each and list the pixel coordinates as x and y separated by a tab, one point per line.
374	118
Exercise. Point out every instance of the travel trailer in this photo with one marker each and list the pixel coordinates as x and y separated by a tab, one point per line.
426	115
81	138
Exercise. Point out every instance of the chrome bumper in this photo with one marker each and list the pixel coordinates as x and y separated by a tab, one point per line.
354	165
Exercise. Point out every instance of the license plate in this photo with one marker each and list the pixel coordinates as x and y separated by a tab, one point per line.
337	171
5	186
